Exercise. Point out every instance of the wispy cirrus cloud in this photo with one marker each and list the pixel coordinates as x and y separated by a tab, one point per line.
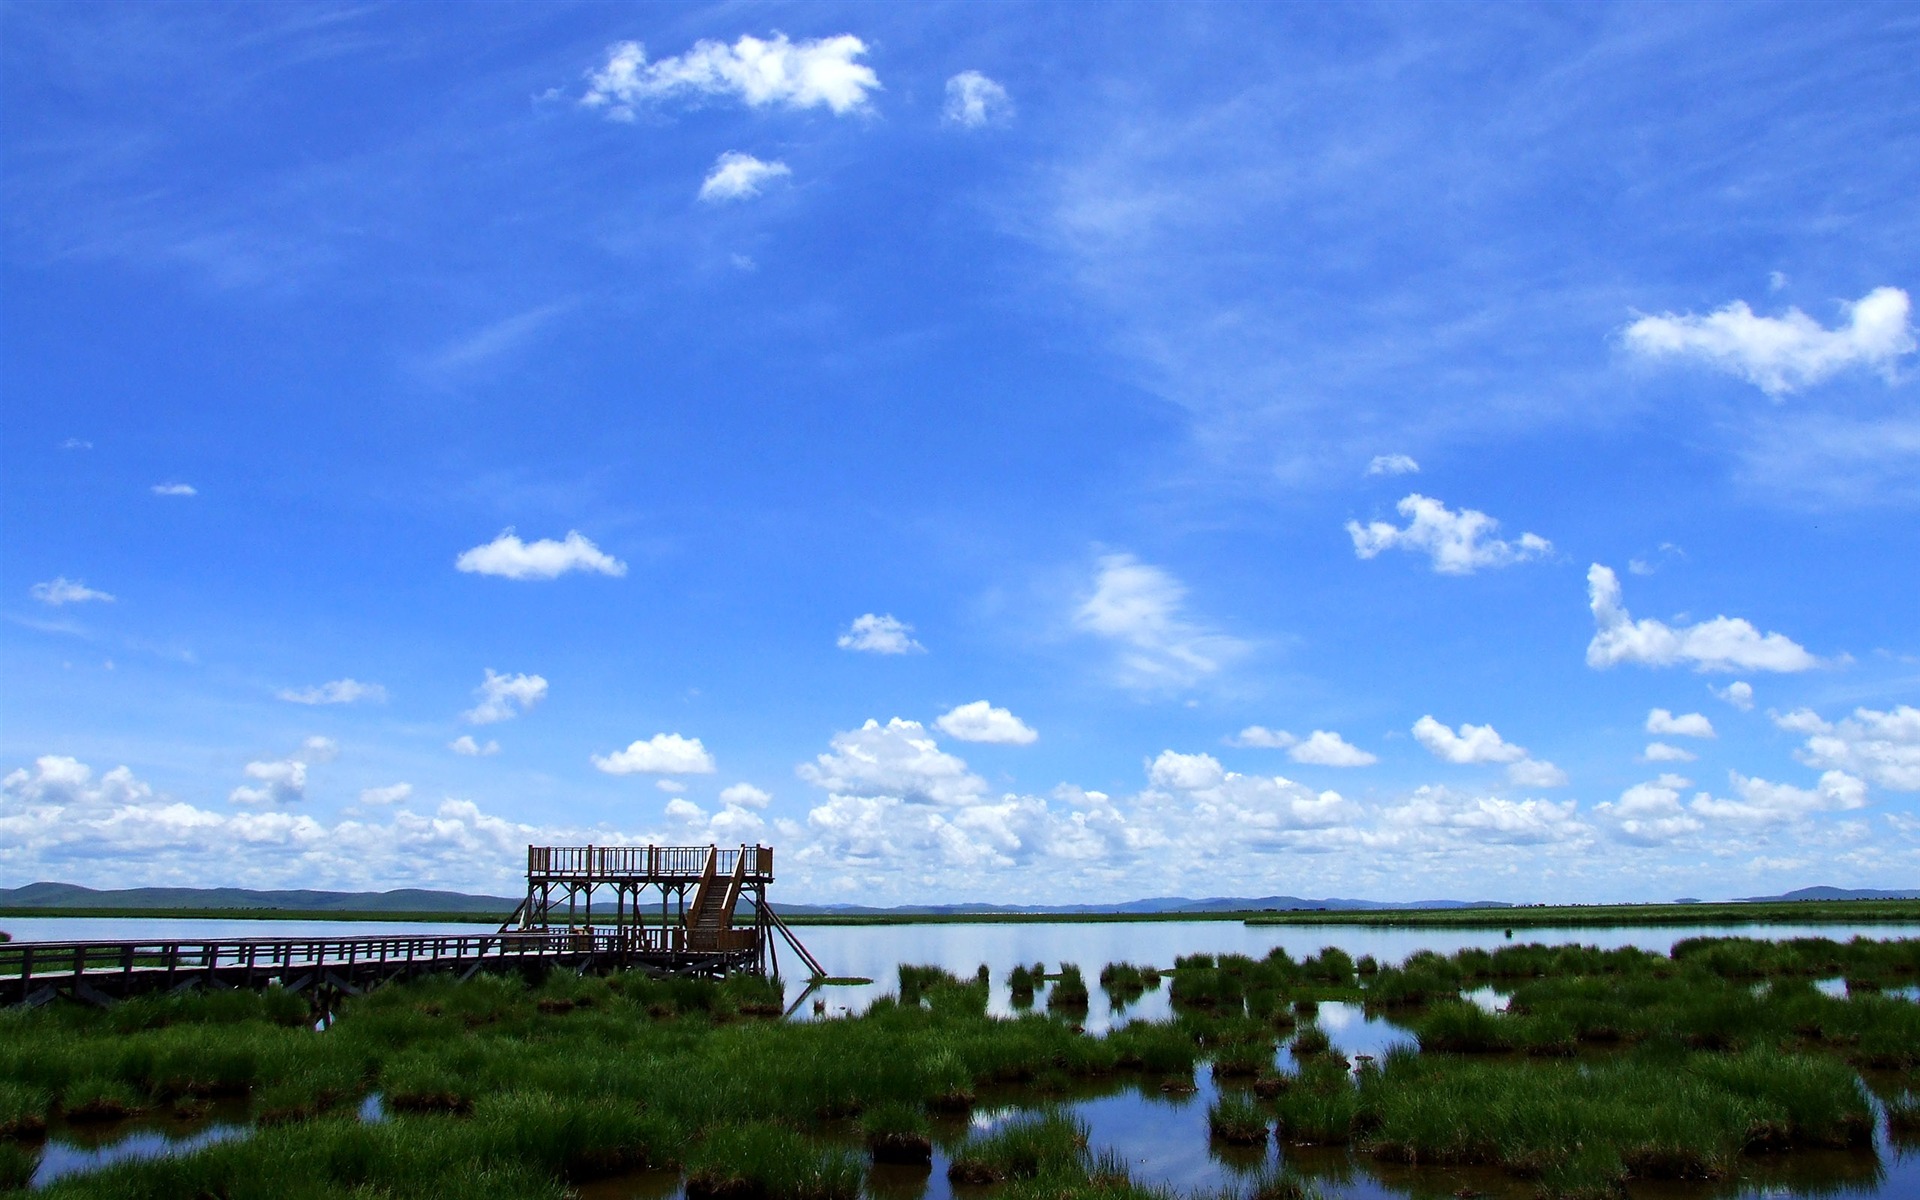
61	591
1142	610
974	101
338	691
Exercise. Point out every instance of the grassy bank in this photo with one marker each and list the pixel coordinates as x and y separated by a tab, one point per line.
1607	1067
1537	916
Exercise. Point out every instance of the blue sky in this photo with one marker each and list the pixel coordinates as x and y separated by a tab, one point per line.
1032	453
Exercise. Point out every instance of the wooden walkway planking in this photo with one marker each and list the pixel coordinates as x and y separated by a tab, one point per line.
100	972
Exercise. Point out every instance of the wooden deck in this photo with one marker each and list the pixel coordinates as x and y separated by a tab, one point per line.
674	912
100	972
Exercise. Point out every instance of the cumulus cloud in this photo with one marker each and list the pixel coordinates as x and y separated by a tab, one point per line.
1140	607
1490	819
395	793
738	176
58	820
899	759
1459	543
1259	737
338	691
464	744
973	100
504	697
1779	355
981	722
661	754
175	489
875	634
745	795
510	558
1651	813
1759	802
1721	644
283	781
821	72
57	592
1393	464
1662	752
1693	725
1882	746
1472	744
1324	748
1738	693
1533	772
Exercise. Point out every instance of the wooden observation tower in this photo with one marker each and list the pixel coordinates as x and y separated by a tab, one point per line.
671	908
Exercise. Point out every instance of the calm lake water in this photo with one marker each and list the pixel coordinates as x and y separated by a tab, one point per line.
1164	1137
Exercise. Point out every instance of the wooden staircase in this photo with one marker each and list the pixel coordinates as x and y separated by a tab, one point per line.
710	919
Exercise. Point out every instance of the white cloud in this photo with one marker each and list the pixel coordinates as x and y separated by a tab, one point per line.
59	821
338	691
1693	725
670	785
503	697
981	722
1721	644
391	794
1490	819
875	634
1324	748
76	444
1202	801
1760	802
1533	772
1459	543
1783	354
1393	464
1472	744
973	100
175	489
775	71
738	176
1883	746
1661	752
898	759
464	744
283	781
745	795
67	591
1651	813
510	558
1140	607
1259	737
1739	693
662	754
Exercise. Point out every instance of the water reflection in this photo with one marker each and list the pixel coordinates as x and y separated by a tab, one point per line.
67	1155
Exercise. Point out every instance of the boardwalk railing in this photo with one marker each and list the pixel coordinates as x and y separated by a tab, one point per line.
31	972
650	862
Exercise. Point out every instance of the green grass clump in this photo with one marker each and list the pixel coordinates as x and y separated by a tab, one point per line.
16	1167
1156	1049
768	1162
898	1133
23	1110
1460	1027
1069	992
1238	1121
1023	1148
1310	1039
1124	983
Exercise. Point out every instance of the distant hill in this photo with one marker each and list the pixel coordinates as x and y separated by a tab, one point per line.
418	900
407	900
1834	893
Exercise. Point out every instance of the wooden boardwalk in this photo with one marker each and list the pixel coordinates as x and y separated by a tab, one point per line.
691	932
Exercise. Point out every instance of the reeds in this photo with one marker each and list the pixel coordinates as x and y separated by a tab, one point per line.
1023	1148
1237	1121
766	1162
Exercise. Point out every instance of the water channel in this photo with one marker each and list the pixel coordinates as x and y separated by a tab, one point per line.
1163	1136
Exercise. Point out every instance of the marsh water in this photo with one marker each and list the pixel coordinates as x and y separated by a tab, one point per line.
1163	1135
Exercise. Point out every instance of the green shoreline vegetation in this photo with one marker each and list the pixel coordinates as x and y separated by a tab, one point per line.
1534	916
1606	1067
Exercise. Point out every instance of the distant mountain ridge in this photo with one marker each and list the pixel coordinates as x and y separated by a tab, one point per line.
408	900
420	900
